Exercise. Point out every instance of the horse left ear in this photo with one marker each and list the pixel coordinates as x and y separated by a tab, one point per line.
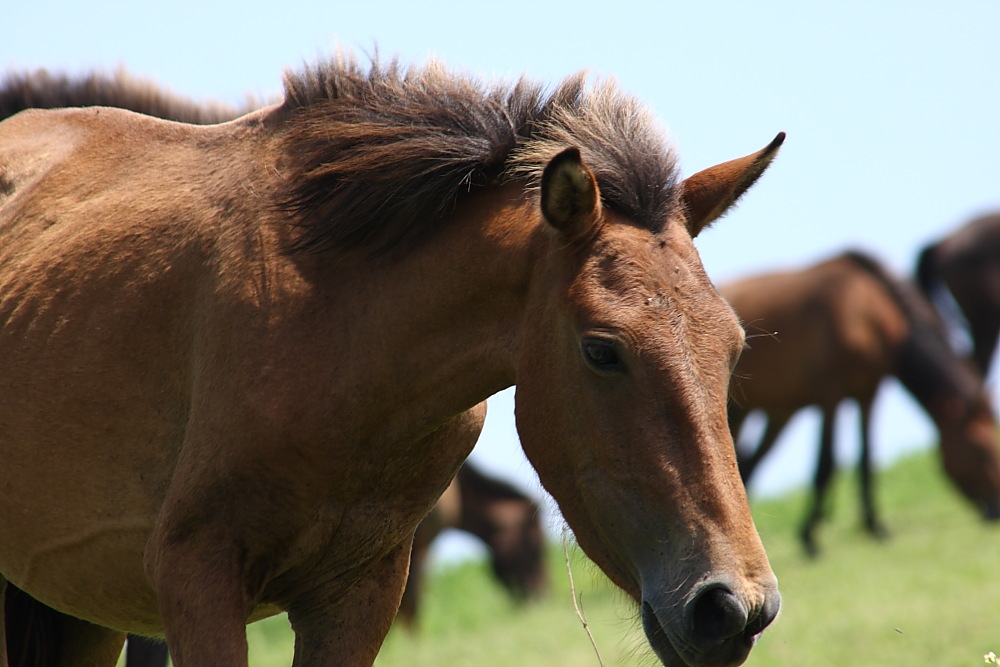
570	197
710	193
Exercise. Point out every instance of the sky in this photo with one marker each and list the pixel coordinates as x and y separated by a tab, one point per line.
892	111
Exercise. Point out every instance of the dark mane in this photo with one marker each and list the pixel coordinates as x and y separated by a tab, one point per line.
380	154
41	89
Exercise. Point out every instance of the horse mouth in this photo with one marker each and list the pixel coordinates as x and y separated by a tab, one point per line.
679	652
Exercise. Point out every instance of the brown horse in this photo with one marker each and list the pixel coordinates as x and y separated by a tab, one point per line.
833	332
506	520
966	265
242	361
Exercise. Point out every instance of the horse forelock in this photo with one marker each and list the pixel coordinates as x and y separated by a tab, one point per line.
378	156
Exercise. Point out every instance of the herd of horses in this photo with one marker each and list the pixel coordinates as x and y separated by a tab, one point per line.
246	353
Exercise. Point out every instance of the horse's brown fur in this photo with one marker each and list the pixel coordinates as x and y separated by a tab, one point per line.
200	427
833	332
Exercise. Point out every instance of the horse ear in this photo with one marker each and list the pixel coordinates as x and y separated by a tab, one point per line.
570	198
710	193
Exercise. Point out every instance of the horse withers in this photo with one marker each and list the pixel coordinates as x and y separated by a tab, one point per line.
240	359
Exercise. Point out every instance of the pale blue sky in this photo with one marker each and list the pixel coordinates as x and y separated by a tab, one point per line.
892	111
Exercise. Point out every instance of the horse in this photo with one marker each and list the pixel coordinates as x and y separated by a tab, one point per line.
243	360
966	266
833	332
506	520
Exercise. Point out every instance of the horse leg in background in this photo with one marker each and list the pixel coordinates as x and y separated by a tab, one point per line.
824	473
145	652
39	636
748	464
872	523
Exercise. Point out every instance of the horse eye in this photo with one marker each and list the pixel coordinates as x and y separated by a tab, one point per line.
601	355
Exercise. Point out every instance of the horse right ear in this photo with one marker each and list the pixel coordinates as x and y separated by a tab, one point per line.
571	201
711	192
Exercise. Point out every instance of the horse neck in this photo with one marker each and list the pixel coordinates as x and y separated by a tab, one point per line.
445	315
925	364
944	385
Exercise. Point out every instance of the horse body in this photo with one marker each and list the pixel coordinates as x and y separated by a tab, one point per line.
966	264
833	332
201	426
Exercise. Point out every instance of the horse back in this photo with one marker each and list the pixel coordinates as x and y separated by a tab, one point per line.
832	320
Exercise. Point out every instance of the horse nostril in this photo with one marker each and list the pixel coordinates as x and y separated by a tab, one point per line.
716	615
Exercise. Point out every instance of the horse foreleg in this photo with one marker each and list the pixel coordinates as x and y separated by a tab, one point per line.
821	483
202	600
872	523
348	630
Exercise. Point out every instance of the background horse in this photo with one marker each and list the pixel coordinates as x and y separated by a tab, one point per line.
966	266
211	382
833	332
506	520
41	89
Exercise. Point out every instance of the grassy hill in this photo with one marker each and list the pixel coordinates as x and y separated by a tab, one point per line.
930	596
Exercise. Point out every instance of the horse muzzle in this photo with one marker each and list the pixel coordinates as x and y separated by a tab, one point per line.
717	627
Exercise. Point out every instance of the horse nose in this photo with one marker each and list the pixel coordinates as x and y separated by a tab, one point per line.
717	615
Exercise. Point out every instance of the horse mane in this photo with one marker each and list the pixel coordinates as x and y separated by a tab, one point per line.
41	89
926	365
379	155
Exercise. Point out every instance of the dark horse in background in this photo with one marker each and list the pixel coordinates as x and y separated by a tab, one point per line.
504	518
965	266
833	332
242	361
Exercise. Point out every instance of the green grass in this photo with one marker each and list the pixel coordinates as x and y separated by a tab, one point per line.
930	596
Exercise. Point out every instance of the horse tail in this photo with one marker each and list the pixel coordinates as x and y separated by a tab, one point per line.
32	630
41	89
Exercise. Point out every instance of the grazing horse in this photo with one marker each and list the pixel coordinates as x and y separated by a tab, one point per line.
505	519
966	265
242	361
832	332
